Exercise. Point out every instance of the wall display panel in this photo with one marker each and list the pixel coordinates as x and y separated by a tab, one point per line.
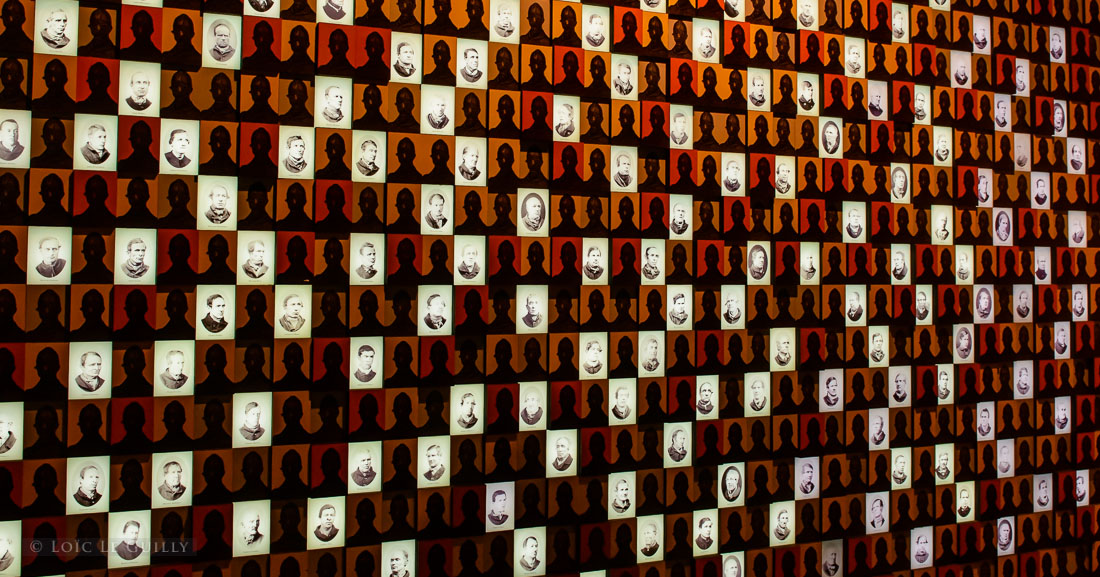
613	288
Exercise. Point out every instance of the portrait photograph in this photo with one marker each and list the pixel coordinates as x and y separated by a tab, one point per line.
901	388
326	518
1081	488
854	54
706	397
785	180
653	261
878	512
832	557
1063	415
293	308
621	490
400	557
90	370
172	479
11	554
531	550
942	153
533	412
758	395
781	523
11	431
878	432
733	563
830	137
808	470
624	162
596	25
732	485
1043	496
733	306
470	268
567	118
983	304
367	362
855	298
505	18
900	470
56	27
563	453
808	87
1006	458
733	174
15	133
707	40
473	61
681	127
878	100
256	252
369	153
921	540
332	101
368	259
49	251
179	146
624	76
437	109
531	214
784	355
470	161
964	264
335	12
651	538
900	264
1006	536
945	384
434	310
944	469
1040	190
680	308
966	503
366	462
437	210
215	309
623	401
128	535
531	309
705	530
964	343
252	533
89	485
261	8
594	266
500	510
878	354
221	43
830	390
433	462
467	409
758	86
296	152
135	256
855	221
899	183
593	359
251	420
175	368
759	263
922	105
678	445
217	200
96	135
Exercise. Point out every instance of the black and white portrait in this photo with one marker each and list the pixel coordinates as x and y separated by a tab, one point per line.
405	57
128	538
326	517
530	551
15	128
732	484
830	137
256	257
622	401
651	538
179	148
785	186
623	165
624	76
807	93
783	344
620	494
366	362
921	540
370	157
806	16
332	102
172	479
759	263
437	110
900	388
759	89
807	484
853	57
831	391
706	399
562	455
292	311
878	435
653	262
854	228
49	252
251	536
217	203
593	355
368	260
467	410
96	137
531	309
437	208
56	27
434	456
879	351
335	11
707	39
434	303
470	254
1006	458
221	42
365	461
469	161
532	409
899	183
295	152
679	308
566	122
964	343
732	562
594	266
504	19
251	419
878	512
89	485
757	395
473	58
965	505
781	523
135	255
531	212
733	299
500	506
706	531
175	366
899	471
733	174
651	353
89	370
1006	536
